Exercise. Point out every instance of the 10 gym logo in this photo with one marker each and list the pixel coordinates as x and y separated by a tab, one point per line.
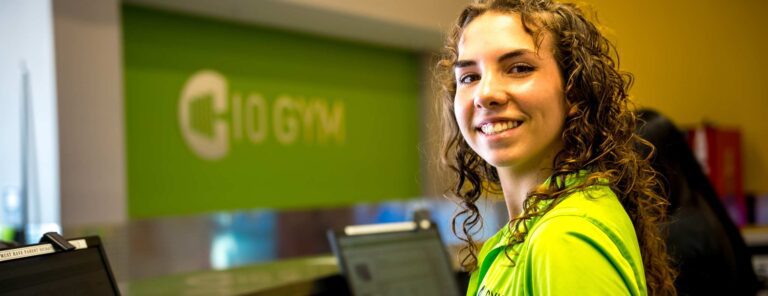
211	120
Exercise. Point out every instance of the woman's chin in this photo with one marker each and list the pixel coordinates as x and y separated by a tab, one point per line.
501	161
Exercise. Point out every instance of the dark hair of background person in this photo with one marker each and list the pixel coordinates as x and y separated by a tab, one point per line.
704	243
598	135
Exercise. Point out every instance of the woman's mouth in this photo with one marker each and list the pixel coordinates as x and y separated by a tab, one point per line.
493	128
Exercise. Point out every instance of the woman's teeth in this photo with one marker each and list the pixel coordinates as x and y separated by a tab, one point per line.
497	127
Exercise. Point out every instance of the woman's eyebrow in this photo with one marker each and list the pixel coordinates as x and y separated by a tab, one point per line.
513	54
502	58
463	64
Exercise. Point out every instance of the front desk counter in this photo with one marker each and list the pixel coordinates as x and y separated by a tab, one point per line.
302	276
275	249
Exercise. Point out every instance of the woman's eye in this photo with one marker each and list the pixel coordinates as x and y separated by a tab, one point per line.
520	69
468	78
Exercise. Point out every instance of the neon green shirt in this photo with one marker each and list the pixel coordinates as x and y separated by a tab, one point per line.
585	245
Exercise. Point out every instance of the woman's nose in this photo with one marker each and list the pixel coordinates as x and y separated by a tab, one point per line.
490	93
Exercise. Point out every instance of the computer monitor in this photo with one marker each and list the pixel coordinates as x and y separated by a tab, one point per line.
41	270
394	259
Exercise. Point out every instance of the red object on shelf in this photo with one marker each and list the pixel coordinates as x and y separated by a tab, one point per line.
719	153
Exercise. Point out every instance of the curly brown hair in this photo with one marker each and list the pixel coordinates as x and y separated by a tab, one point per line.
598	135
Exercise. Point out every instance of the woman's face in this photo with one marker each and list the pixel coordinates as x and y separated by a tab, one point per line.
509	103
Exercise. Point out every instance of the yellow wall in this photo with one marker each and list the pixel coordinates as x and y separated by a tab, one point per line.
697	60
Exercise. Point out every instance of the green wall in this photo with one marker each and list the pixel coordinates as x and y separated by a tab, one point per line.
222	116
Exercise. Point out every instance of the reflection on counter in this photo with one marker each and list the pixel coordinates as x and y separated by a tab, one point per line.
236	281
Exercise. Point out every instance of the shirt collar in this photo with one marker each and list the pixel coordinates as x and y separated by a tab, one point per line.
504	235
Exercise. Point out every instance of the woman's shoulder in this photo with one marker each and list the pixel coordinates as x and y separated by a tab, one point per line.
594	201
592	218
587	211
608	261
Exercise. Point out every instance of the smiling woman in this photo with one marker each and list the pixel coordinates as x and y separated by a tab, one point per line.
535	106
509	100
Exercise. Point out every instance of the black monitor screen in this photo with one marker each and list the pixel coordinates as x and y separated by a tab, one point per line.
78	272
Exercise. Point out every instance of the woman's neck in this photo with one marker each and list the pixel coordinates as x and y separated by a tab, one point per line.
518	181
516	187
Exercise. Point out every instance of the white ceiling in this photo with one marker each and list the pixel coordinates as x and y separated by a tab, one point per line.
417	24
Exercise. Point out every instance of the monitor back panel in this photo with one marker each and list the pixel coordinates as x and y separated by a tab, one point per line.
84	271
396	263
